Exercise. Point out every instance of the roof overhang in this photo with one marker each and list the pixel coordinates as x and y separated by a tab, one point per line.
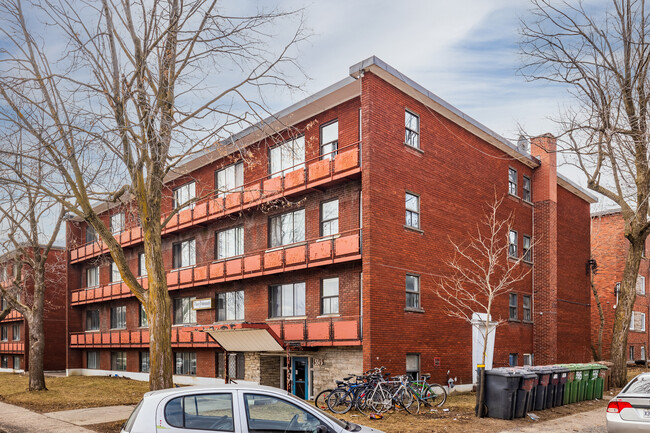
245	337
565	183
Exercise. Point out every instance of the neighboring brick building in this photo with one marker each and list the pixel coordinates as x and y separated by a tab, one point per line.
14	332
609	249
343	280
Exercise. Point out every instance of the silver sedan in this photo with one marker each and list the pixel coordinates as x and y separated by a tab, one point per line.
231	408
629	411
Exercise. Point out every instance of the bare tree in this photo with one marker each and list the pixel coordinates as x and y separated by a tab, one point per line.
592	269
481	271
120	94
600	54
31	222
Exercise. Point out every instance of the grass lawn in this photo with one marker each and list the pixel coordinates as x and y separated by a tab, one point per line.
72	392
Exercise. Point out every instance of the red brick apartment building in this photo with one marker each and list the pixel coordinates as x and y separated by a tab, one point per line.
381	173
14	332
609	249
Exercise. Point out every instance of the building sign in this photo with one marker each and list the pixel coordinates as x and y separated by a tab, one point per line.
203	304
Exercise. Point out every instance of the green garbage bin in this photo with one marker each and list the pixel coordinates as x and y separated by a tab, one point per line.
593	372
583	373
569	387
600	381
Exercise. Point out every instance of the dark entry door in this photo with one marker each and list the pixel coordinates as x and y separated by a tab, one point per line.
300	387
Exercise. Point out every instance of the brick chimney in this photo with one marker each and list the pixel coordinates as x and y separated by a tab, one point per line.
545	250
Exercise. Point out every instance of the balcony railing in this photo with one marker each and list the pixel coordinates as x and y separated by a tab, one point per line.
343	247
10	347
332	331
14	315
312	173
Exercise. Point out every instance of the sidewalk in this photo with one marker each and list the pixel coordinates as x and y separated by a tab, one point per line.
15	419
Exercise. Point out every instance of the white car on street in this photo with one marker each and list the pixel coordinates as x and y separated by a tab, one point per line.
629	411
231	408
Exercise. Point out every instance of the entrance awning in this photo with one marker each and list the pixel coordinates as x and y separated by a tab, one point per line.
246	338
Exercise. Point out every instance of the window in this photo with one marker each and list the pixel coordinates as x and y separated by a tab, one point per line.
287	157
637	322
230	243
117	222
512	181
640	285
287	300
185	363
527	196
229	179
201	412
92	277
183	194
527	309
631	353
143	322
528	359
527	256
3	304
329	218
92	359
91	235
116	277
5	274
412	291
144	362
184	254
230	306
15	332
287	228
330	296
513	359
183	312
413	365
92	320
512	244
265	413
4	333
118	361
412	126
118	317
4	361
329	140
142	265
514	314
16	362
412	210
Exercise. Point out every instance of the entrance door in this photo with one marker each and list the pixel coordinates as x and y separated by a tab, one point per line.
300	385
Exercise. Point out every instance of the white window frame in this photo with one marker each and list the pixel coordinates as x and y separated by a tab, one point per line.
330	300
183	194
296	292
118	222
411	132
186	311
329	148
636	314
116	276
287	157
513	244
230	243
229	179
513	184
293	222
142	265
511	297
415	293
640	283
329	226
187	251
412	211
230	306
527	192
92	282
528	359
416	358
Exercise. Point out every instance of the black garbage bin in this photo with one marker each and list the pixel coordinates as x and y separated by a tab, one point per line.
560	388
501	386
543	379
552	387
525	393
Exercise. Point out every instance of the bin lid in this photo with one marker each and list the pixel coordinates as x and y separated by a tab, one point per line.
539	369
503	371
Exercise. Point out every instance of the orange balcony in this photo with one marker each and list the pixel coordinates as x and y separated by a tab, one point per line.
10	347
182	336
316	172
13	316
343	247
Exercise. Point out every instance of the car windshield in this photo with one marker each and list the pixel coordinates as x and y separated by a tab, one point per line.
128	425
638	385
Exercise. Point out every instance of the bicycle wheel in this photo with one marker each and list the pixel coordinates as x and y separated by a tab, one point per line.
321	399
405	399
339	401
361	401
379	400
435	394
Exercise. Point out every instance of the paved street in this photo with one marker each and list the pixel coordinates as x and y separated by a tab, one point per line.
585	422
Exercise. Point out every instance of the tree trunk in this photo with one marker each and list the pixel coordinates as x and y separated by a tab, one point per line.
159	308
598	350
624	308
36	352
